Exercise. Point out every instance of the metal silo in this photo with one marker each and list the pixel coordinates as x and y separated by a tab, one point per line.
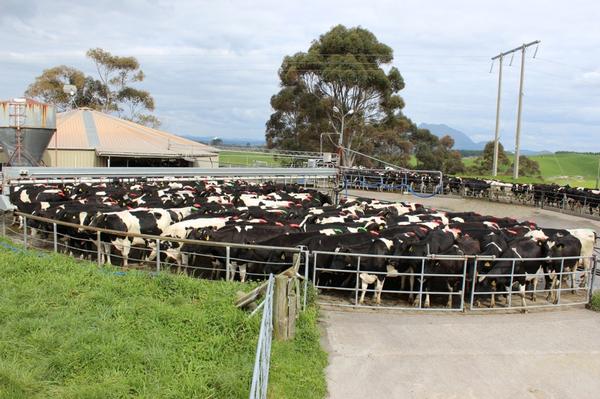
26	127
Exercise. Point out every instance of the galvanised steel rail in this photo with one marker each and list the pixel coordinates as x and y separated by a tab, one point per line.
468	285
469	293
260	376
40	175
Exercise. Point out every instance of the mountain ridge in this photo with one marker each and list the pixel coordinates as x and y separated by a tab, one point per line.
462	141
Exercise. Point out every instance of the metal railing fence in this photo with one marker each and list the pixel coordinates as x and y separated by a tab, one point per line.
554	284
460	290
260	375
219	260
581	204
420	279
199	258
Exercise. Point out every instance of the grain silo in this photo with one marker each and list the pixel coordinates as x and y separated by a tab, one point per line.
26	127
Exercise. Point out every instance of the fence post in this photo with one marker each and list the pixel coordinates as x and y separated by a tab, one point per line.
158	254
292	309
306	263
512	281
315	270
421	283
473	284
25	232
464	283
357	280
55	237
227	263
280	310
560	277
591	278
99	248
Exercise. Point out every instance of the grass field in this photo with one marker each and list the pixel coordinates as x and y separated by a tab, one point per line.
240	158
72	330
577	170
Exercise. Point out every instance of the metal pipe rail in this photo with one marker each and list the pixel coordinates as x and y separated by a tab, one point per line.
40	172
469	293
260	375
153	237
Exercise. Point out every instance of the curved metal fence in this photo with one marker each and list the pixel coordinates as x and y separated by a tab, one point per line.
452	283
344	279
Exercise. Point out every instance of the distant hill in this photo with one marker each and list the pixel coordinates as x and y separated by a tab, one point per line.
461	140
464	142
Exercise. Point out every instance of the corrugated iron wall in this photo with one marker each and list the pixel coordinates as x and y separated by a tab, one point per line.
73	159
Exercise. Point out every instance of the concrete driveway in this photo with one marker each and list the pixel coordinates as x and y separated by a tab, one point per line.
539	355
543	354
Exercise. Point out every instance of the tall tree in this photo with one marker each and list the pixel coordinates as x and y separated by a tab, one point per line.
48	87
117	74
527	167
483	164
341	78
436	154
111	92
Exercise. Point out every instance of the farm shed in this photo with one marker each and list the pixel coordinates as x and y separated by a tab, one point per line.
89	138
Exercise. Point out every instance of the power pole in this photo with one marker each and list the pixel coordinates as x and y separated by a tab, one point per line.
598	174
497	134
519	109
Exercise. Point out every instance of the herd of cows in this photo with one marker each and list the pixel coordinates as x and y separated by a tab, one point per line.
413	244
576	199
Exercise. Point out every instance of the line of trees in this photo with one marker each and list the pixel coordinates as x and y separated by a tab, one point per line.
483	164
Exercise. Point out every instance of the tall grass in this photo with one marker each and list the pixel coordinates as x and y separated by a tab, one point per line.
73	330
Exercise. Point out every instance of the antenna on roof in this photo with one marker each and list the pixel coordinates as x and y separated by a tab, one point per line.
71	90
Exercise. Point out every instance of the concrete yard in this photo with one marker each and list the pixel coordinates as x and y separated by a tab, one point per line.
544	354
540	355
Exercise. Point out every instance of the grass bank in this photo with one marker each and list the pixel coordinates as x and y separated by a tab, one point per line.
595	304
72	330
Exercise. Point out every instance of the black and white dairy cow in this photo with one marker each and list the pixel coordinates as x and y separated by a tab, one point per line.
152	221
373	269
524	257
171	250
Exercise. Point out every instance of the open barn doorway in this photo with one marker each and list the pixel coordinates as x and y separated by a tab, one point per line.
148	162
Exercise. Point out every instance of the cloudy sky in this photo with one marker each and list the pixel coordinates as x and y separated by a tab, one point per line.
212	65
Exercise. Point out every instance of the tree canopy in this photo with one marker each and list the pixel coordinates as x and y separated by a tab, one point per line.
111	91
484	163
346	78
341	78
